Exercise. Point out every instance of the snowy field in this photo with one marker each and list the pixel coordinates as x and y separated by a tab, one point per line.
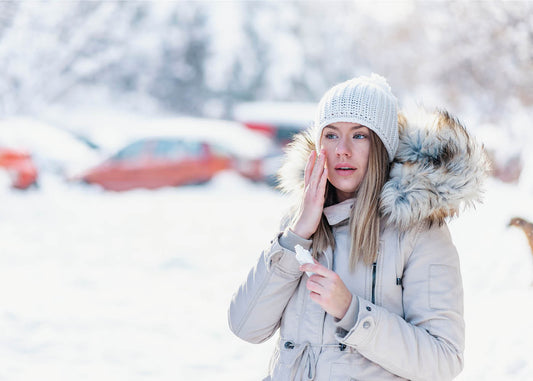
135	286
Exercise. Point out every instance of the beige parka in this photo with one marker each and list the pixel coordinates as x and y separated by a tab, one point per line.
406	316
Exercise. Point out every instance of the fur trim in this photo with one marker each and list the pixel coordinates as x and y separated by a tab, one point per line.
291	174
438	170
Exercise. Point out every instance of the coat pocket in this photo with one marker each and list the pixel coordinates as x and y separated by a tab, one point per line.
341	372
445	287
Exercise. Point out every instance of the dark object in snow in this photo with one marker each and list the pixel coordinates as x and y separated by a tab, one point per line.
527	228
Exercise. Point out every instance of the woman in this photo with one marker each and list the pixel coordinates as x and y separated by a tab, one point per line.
385	301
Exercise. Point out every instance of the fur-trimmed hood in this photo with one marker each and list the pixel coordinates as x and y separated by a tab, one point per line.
438	169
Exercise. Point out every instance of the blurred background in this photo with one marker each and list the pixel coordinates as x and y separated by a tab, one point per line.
139	143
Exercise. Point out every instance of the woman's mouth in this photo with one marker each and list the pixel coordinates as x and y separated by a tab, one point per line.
344	169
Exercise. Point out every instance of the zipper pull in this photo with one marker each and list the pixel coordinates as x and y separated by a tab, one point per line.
374	266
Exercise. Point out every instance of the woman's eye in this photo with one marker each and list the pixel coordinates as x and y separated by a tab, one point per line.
359	136
330	136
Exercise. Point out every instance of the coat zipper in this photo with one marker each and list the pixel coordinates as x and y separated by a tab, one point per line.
374	266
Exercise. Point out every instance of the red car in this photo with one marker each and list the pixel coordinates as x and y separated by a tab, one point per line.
157	162
20	167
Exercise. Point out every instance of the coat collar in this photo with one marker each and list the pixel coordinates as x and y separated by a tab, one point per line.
340	212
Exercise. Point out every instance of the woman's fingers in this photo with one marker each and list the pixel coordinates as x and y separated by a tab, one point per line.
317	268
318	169
313	201
328	290
314	286
309	167
323	181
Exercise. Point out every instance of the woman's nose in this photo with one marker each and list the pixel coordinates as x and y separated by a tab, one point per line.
343	148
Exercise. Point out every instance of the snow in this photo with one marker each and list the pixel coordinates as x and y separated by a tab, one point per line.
111	131
281	113
232	135
52	148
497	268
125	286
136	285
502	143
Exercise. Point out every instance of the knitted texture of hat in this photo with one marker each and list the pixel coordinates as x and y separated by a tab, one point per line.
364	100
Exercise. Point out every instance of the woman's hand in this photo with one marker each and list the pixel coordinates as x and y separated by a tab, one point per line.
328	290
315	178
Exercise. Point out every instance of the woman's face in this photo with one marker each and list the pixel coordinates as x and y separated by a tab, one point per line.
347	147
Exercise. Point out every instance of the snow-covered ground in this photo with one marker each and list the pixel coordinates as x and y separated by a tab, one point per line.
135	286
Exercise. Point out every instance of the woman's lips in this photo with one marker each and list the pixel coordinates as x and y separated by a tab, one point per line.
344	169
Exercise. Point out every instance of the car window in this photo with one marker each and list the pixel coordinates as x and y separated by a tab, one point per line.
219	150
177	149
285	133
195	148
131	152
169	149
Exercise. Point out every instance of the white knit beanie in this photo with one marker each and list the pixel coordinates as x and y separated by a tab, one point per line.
364	100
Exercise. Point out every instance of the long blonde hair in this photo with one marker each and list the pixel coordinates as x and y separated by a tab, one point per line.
365	216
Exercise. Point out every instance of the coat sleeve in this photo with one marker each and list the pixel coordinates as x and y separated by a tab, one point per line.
256	308
428	343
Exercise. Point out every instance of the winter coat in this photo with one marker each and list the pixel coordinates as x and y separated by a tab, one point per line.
406	316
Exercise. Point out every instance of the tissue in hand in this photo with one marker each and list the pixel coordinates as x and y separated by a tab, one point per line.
303	256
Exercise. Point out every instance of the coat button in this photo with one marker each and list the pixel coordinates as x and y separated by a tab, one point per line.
368	308
289	345
366	325
342	347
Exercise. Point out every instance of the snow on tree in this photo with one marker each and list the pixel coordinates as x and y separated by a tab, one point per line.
200	58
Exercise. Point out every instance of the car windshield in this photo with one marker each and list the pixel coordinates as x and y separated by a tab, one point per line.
219	150
285	133
131	152
176	149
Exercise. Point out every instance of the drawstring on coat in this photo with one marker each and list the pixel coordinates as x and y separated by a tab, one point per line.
306	355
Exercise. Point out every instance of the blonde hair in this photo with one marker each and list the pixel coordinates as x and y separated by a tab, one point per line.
365	215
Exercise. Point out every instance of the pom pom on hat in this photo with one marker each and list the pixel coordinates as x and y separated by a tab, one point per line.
364	100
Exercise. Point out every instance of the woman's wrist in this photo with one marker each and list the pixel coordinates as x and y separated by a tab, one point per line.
345	308
300	232
288	239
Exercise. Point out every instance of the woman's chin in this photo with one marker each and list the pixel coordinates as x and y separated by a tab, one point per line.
344	185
